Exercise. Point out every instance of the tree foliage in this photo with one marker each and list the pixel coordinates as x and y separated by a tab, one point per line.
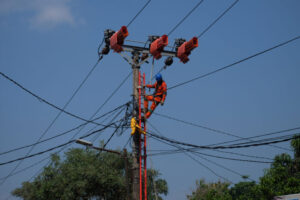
213	191
282	178
85	174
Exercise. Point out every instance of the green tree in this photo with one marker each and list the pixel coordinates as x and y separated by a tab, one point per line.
84	174
210	191
245	190
156	185
283	177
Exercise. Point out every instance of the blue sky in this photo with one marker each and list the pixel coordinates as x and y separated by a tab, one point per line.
49	46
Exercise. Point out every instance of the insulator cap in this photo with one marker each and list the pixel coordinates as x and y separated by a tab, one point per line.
117	39
158	45
185	49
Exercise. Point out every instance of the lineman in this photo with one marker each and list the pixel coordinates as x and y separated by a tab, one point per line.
158	96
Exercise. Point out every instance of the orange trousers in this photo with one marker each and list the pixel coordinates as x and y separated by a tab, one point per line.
155	102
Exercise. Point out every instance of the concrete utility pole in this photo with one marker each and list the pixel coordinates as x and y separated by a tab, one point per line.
136	136
115	41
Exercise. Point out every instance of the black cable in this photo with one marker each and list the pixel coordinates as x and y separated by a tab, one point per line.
210	155
218	18
138	13
47	102
180	148
96	136
196	125
26	168
53	148
127	142
93	115
215	130
221	147
222	166
60	134
257	136
235	63
208	168
186	16
57	116
226	152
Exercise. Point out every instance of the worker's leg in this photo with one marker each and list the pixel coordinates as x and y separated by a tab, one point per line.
156	101
146	102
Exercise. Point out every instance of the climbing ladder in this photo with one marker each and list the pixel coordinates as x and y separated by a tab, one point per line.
142	142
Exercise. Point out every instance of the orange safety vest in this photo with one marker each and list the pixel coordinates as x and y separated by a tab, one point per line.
160	90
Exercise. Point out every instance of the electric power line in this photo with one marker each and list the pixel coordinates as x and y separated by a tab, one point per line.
218	18
215	130
197	161
234	146
61	134
47	102
53	148
57	116
138	13
95	113
235	63
186	16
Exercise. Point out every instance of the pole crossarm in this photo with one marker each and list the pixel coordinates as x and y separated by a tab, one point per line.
130	48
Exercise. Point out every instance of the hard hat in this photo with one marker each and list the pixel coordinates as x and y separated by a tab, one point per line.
158	77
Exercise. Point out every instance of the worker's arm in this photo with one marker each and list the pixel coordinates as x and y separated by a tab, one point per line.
164	93
151	86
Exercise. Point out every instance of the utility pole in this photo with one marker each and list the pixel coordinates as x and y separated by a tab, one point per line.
136	136
115	40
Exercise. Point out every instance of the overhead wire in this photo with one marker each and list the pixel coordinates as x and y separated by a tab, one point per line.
224	167
234	146
235	63
53	148
47	102
212	129
131	21
26	168
138	13
57	116
257	136
79	87
185	17
218	18
191	157
210	155
60	134
95	113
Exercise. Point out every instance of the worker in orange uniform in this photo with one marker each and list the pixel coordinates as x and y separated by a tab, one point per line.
158	96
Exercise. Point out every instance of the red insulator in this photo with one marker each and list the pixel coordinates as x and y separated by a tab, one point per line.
185	49
117	39
158	45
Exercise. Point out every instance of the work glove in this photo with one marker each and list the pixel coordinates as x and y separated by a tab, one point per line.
162	103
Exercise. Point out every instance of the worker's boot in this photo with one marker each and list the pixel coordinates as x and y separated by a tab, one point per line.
143	119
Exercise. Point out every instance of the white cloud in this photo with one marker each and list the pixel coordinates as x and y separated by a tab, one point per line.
44	13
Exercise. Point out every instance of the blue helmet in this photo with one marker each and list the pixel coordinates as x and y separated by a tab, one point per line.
158	77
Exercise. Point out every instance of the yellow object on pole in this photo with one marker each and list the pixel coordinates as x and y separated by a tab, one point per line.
134	126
